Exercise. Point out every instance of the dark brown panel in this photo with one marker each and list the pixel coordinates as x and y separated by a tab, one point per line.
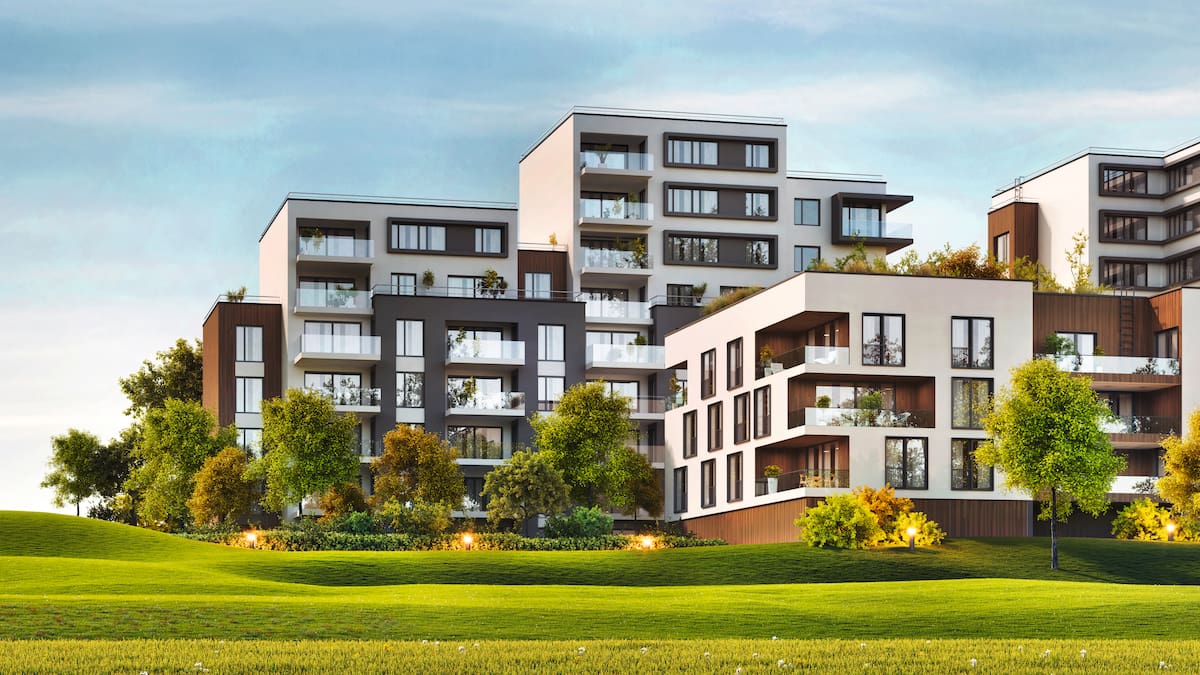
210	364
221	348
1020	221
554	263
1099	314
731	249
767	524
1140	461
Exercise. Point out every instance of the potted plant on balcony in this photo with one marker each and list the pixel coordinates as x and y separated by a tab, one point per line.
491	282
316	239
236	296
640	257
698	291
772	472
678	392
427	280
766	359
823	401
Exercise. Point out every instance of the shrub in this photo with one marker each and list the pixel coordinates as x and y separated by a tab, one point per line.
360	522
342	500
417	518
316	540
725	299
841	521
928	532
581	522
883	503
1142	520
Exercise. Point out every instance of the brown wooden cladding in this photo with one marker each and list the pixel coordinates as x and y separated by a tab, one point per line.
774	523
1160	403
554	263
220	353
836	333
1099	314
1168	311
911	393
1020	221
1139	461
790	459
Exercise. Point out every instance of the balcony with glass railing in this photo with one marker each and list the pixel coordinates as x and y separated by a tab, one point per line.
615	162
804	478
333	300
647	408
813	355
615	210
859	417
612	260
354	399
484	450
368	449
335	246
876	229
338	347
646	357
500	403
1141	424
474	352
616	311
1116	365
655	453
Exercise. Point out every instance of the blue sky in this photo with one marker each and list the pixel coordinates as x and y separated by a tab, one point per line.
144	145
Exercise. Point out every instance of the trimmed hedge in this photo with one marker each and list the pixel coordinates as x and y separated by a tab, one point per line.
311	540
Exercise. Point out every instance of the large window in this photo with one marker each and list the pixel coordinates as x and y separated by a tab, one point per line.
906	463
1166	343
1183	269
1181	222
691	200
970	342
733	364
758	204
733	477
477	442
1083	344
758	156
808	212
489	240
410	390
404	284
250	440
249	340
681	151
550	342
862	221
969	398
803	257
1184	175
965	473
464	286
693	249
410	338
405	236
249	394
716	431
708	483
708	373
681	295
762	412
758	252
1000	248
1123	228
680	488
1131	181
336	337
689	434
883	340
1123	274
537	285
741	418
550	391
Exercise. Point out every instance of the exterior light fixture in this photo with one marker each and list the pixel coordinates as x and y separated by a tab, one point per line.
252	539
467	540
1170	531
647	543
912	538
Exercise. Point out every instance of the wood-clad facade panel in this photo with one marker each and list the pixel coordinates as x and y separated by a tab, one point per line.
220	353
554	263
766	524
1020	221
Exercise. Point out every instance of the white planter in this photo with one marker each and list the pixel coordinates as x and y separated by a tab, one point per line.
772	484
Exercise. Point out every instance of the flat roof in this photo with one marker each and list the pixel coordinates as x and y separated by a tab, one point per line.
1097	150
378	199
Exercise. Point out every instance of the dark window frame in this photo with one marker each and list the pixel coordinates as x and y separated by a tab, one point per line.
974	417
904	471
679	488
802	247
971	478
715	423
883	335
735	478
708	483
691	434
708	374
741	418
971	348
762	424
402	401
733	364
800	202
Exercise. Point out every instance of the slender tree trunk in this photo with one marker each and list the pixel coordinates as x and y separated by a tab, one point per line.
76	509
299	509
1053	530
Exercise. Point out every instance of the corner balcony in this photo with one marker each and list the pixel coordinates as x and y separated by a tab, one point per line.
486	354
617	311
332	301
315	349
805	478
609	212
496	404
1121	373
893	236
361	400
334	249
859	417
1139	430
626	357
820	359
614	162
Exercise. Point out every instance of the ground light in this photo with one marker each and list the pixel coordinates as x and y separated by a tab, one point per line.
912	538
1170	531
252	539
467	540
647	543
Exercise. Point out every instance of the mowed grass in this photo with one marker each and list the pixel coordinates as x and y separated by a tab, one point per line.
725	656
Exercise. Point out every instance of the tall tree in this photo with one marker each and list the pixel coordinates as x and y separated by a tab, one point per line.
417	466
524	486
175	373
175	442
586	430
82	468
630	483
1180	483
1045	434
307	448
223	492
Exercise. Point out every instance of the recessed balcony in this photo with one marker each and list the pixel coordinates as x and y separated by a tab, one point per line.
626	357
805	478
332	301
615	212
321	348
859	417
603	264
505	354
333	248
820	359
362	400
1121	373
647	408
494	404
616	171
616	311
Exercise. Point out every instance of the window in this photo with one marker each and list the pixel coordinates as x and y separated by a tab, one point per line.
762	412
475	500
681	295
250	440
411	237
1185	175
692	249
537	285
690	200
1000	249
852	396
758	156
733	477
410	338
1123	228
489	240
410	390
808	212
708	373
248	341
862	221
1129	181
341	388
1166	343
733	364
550	391
249	394
477	442
404	284
1181	222
689	434
464	287
758	204
1083	344
1123	274
905	463
681	151
965	473
708	483
716	433
883	340
680	488
550	342
741	418
758	252
803	257
968	399
970	343
1183	270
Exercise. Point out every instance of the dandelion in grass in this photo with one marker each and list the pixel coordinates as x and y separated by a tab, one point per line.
738	671
461	649
774	637
862	645
581	650
973	662
1020	648
1162	665
476	645
707	655
1045	653
755	655
424	642
643	650
1083	653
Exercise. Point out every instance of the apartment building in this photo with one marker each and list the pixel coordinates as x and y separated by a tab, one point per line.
468	318
1140	211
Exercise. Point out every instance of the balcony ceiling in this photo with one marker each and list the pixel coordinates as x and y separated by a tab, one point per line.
801	322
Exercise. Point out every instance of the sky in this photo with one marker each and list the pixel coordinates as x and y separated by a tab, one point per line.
145	145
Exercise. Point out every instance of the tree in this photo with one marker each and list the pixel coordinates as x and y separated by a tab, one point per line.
631	484
307	448
1180	483
223	493
1081	269
175	442
524	486
589	426
417	465
1045	434
176	373
342	500
82	468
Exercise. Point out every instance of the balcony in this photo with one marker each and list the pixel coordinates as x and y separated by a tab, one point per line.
494	404
505	354
859	417
655	453
352	399
614	263
332	301
1139	430
1115	365
369	450
335	248
483	452
318	348
627	357
616	161
615	212
804	478
617	311
876	229
811	355
647	408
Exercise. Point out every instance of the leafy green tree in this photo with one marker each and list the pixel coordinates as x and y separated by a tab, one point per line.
175	442
631	483
841	521
1142	520
589	427
82	468
175	373
307	448
1081	269
341	500
417	465
223	493
1180	483
1045	434
524	486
